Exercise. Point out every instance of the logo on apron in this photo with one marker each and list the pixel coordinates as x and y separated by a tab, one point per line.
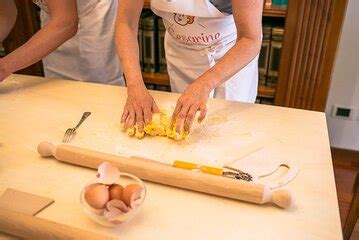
182	19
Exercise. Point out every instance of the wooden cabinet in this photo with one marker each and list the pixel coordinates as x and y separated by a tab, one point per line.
312	33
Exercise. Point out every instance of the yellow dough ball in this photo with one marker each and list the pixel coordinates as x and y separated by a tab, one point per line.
131	131
139	134
160	126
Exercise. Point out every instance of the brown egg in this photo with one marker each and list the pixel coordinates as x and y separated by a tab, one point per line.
97	195
131	193
115	191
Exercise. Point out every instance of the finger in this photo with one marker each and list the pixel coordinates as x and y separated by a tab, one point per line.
139	119
155	108
130	121
176	112
147	115
181	118
190	117
123	118
203	109
124	115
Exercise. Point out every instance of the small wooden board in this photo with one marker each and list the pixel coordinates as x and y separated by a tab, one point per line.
24	202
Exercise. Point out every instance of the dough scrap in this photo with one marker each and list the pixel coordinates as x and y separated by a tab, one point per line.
159	126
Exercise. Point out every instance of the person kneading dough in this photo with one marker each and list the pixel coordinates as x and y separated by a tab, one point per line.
76	41
212	49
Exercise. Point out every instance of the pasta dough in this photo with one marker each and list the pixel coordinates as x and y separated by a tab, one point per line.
159	126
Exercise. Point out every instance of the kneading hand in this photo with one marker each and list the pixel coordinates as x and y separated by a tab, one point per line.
193	99
139	108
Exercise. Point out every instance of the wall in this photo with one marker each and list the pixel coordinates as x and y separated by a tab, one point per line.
344	89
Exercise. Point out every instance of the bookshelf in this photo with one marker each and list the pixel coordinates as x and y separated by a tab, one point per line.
274	11
268	11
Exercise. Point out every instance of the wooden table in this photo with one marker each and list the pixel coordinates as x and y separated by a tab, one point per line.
35	109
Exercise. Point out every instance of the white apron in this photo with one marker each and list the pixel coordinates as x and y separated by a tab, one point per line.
90	55
197	37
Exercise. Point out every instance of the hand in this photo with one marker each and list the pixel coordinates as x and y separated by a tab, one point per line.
194	98
139	108
4	72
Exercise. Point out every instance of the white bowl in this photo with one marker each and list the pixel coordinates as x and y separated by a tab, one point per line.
98	215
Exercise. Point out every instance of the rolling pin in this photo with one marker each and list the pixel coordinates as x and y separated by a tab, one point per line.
31	227
153	171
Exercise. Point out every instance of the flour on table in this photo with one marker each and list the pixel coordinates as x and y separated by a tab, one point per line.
217	140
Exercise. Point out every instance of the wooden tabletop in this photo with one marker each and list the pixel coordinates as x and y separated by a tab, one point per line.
34	109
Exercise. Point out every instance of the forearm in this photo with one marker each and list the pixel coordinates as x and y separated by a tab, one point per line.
128	51
8	14
239	56
46	40
247	16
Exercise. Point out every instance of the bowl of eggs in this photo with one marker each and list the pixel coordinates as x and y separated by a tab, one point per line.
113	197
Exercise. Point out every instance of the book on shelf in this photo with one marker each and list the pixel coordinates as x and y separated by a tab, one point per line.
281	3
158	87
267	101
149	43
264	100
162	88
262	79
161	46
269	57
150	86
274	56
264	54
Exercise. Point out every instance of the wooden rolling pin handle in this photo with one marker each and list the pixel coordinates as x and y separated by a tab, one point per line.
46	149
153	171
282	198
30	227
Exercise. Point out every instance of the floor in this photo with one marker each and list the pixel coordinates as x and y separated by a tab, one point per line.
346	167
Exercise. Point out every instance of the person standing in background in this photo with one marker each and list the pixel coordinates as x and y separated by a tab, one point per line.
76	41
212	49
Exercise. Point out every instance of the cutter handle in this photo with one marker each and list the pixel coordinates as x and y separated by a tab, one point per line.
192	166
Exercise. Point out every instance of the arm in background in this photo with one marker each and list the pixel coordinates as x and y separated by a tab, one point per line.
62	26
8	14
